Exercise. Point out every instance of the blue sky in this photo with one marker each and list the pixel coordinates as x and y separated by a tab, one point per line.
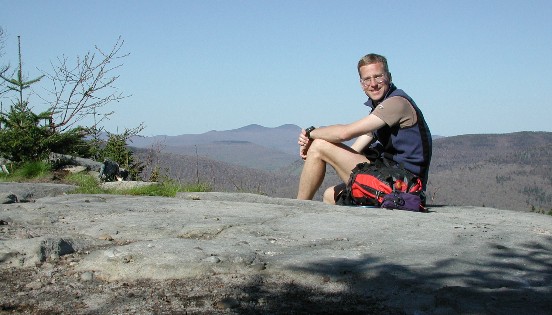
196	66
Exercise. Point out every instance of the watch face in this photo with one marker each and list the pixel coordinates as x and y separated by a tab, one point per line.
308	130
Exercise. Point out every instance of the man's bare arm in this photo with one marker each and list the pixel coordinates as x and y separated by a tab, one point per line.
342	133
362	141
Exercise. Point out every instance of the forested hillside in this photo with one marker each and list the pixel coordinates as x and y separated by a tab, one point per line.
220	176
508	171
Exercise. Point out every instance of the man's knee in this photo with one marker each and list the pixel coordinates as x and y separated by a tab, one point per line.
328	196
331	195
319	147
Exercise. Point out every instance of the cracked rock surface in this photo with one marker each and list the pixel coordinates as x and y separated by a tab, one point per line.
205	253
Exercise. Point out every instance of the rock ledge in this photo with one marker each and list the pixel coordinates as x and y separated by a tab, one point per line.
244	253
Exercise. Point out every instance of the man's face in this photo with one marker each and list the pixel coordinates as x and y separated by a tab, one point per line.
374	81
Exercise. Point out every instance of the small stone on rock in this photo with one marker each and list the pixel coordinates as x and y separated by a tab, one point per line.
106	237
212	259
87	276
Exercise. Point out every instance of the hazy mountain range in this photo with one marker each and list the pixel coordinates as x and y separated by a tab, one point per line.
252	146
508	171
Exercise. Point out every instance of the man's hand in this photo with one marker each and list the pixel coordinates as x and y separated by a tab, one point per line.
303	151
304	144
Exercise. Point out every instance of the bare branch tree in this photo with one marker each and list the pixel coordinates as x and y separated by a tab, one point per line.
2	41
80	90
3	68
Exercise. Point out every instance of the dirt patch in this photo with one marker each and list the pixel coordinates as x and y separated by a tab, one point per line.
54	288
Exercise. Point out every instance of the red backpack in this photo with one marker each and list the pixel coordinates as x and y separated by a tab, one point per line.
382	184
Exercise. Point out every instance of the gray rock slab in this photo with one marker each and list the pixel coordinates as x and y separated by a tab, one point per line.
125	184
450	260
75	160
26	192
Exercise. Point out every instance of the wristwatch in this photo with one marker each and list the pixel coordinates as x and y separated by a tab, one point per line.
309	130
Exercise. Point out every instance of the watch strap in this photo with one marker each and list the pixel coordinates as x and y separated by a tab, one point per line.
309	130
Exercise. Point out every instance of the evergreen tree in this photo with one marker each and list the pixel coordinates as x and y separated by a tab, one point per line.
26	136
18	84
116	150
22	138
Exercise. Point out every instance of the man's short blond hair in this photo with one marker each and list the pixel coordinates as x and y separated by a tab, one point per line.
373	58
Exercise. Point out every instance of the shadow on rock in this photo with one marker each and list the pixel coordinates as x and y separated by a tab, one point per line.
505	281
511	280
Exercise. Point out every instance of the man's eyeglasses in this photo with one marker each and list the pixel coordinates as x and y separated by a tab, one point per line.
379	78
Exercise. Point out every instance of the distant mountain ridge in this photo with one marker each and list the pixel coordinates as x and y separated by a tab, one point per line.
282	138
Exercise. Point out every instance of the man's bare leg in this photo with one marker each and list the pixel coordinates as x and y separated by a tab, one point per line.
331	193
312	176
341	157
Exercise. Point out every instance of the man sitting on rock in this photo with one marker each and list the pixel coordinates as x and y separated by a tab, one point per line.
395	129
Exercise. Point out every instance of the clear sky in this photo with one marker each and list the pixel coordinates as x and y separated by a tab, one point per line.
472	66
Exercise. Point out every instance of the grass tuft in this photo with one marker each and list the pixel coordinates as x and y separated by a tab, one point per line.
164	189
196	188
89	184
28	171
